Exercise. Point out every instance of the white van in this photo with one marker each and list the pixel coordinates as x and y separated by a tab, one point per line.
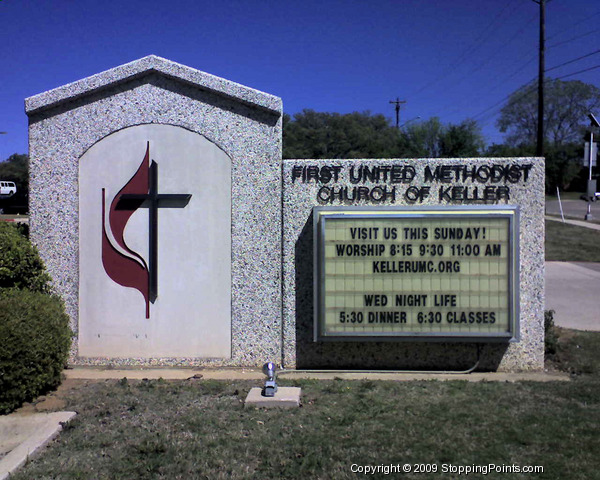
7	188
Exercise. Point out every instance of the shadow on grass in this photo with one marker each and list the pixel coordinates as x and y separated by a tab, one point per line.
576	352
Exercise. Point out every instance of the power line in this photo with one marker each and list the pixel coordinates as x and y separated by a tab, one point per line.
444	109
475	45
518	70
497	106
582	20
541	81
515	72
530	89
573	61
525	92
499	103
495	53
532	57
574	38
580	71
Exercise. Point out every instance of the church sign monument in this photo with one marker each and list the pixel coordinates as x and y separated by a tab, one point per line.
177	235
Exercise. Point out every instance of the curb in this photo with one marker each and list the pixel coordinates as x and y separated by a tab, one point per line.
98	374
23	436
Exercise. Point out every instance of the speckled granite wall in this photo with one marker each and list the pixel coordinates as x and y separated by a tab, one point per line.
245	123
300	197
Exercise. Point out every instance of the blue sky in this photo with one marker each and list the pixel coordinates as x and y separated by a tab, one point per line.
454	59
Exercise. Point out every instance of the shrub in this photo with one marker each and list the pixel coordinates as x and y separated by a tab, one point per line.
20	264
550	335
22	228
36	337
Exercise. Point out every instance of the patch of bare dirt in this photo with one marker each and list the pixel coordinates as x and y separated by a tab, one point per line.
55	401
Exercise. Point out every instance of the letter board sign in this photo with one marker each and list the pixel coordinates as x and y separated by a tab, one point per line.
389	273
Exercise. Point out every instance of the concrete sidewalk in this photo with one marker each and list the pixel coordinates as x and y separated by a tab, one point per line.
573	292
573	288
256	375
22	436
578	223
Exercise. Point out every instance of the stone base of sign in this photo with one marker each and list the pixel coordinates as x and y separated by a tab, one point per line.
310	183
285	397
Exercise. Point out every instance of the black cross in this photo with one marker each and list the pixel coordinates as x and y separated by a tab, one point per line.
153	201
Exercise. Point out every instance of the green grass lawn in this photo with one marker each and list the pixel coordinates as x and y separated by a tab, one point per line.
200	430
570	243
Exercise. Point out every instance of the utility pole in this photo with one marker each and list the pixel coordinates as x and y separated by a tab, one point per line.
397	102
540	125
591	189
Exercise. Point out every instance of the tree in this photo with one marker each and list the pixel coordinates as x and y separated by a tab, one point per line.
462	140
16	169
422	139
435	140
311	134
563	162
565	112
504	150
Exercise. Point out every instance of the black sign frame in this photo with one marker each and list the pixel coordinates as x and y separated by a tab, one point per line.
322	213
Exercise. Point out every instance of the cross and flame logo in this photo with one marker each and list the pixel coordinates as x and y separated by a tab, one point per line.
123	265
